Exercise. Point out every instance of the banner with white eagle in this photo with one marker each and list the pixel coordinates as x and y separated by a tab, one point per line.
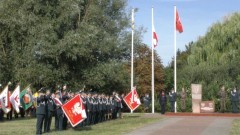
74	110
132	99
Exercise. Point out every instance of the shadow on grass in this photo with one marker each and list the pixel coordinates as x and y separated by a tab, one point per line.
87	128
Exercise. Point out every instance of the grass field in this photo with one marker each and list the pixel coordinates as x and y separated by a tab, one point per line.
236	127
130	122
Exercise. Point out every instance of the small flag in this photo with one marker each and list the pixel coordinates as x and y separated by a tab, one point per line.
132	99
74	110
179	27
15	98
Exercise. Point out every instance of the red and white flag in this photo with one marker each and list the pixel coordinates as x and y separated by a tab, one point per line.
179	27
4	100
74	110
14	98
57	102
155	37
132	99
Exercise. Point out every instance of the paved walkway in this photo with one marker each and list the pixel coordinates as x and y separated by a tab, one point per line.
188	126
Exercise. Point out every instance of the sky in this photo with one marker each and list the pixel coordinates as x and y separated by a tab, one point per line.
196	17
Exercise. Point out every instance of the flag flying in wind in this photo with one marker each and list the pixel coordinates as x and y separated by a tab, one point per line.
4	100
14	98
74	110
155	37
26	98
132	99
179	27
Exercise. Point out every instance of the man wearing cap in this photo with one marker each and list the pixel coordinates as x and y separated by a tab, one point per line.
49	111
172	99
89	104
58	112
40	111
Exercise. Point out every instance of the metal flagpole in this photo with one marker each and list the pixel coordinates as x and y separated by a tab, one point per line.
132	51
175	57
152	67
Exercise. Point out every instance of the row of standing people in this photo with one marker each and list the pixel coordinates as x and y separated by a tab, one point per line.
99	108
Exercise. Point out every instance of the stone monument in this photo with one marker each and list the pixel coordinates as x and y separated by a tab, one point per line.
196	97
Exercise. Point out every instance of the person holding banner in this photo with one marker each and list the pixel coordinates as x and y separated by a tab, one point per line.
40	111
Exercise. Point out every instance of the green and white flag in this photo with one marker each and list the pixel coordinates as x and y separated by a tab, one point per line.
26	98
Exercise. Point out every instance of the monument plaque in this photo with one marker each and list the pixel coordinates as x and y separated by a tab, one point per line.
207	107
196	97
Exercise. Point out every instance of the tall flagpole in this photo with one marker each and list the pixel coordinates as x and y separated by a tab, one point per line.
152	67
175	56
132	51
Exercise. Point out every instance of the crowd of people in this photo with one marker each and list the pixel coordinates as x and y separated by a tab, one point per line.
98	106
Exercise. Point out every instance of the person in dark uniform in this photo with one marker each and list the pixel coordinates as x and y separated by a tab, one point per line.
49	111
118	105
40	111
146	102
65	98
58	112
84	100
104	104
112	107
100	108
95	108
234	99
89	104
163	102
172	99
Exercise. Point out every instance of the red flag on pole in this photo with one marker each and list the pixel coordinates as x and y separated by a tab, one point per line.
179	27
74	110
155	37
132	99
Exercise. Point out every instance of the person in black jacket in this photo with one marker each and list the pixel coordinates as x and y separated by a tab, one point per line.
172	99
40	111
89	104
163	102
65	98
58	112
49	111
234	100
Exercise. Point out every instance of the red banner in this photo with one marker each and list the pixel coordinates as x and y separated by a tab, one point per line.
132	99
74	110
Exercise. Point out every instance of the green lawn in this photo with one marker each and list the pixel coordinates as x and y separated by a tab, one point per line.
114	127
236	127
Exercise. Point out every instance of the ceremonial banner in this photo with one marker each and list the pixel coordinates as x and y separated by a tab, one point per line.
74	110
14	98
132	99
26	98
4	100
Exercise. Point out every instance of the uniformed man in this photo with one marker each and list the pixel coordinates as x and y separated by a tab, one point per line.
59	113
163	102
183	96
100	108
223	96
146	102
89	104
104	104
112	107
65	98
40	111
172	99
234	99
118	105
49	110
84	101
